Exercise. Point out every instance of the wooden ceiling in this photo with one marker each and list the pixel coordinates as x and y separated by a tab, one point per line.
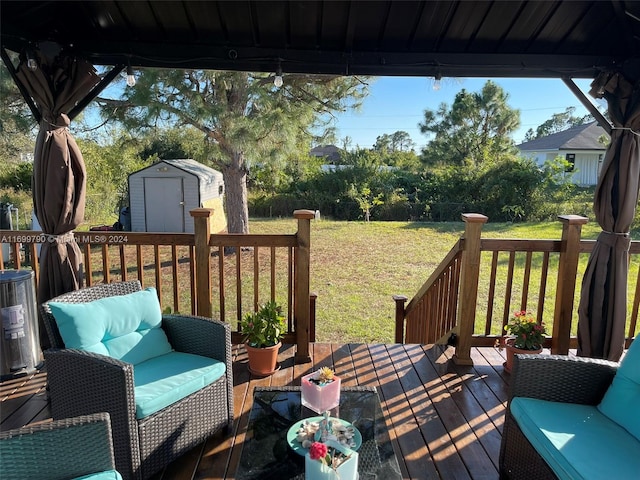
421	38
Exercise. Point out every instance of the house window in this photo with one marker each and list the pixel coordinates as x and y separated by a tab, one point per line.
571	162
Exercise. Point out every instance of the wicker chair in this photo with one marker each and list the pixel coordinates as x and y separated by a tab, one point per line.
556	378
82	383
59	450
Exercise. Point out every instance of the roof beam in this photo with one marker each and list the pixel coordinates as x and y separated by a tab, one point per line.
25	94
604	123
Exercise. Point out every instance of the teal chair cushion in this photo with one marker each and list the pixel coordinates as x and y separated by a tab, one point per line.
163	380
126	327
108	475
577	441
621	402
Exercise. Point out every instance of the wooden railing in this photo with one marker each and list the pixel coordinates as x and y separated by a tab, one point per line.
498	276
431	313
191	270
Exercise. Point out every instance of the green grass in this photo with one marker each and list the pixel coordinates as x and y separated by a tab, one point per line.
356	267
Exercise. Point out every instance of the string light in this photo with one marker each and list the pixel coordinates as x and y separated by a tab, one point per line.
32	63
131	78
277	80
436	82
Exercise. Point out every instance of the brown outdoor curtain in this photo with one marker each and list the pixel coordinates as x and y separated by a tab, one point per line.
603	301
59	176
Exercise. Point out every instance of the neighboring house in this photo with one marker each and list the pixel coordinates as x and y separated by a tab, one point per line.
579	145
330	152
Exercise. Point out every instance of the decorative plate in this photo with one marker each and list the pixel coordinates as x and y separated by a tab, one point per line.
297	447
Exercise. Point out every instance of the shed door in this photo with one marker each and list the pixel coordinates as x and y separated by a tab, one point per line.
164	204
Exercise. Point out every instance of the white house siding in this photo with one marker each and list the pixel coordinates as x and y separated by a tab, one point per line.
587	168
587	164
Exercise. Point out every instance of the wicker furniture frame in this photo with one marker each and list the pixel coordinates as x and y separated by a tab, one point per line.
557	378
57	450
82	383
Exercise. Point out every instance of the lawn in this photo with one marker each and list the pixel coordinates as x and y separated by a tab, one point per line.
357	267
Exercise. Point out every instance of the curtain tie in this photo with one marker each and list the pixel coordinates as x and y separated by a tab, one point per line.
59	121
628	129
620	240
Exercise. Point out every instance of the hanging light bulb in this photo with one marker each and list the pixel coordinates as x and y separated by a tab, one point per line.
32	63
436	82
277	80
131	78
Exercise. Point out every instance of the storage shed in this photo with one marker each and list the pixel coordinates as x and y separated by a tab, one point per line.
161	196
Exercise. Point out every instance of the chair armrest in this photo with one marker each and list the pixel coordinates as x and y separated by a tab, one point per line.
561	378
60	449
82	383
199	335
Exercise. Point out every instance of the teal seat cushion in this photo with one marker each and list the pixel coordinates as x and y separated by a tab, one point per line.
164	380
577	441
126	327
108	475
621	402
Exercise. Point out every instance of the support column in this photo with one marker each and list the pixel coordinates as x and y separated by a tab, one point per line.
301	284
565	290
400	317
468	295
202	228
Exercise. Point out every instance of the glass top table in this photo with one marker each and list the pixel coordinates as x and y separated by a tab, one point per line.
266	454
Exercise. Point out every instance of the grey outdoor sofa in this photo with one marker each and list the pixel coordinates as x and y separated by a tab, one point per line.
562	379
60	450
82	383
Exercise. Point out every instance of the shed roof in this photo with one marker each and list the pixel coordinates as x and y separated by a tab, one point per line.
189	166
580	137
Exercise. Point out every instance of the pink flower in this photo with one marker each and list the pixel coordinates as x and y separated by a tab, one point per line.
318	451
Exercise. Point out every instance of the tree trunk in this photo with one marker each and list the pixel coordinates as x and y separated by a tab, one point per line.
235	181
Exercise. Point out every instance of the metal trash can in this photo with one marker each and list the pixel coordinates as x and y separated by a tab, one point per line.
19	339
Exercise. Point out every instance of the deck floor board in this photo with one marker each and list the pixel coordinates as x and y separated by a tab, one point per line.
445	420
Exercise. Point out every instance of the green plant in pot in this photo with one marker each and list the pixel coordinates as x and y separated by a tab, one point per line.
263	330
525	335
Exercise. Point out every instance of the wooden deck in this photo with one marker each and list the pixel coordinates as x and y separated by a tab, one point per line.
445	421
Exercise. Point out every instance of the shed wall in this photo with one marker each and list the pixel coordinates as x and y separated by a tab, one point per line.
198	190
139	210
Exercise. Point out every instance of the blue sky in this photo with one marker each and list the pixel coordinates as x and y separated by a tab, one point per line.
398	103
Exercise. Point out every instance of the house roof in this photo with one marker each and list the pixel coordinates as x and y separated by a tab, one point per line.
580	137
330	152
482	38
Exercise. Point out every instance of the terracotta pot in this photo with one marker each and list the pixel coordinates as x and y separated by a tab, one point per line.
511	351
263	361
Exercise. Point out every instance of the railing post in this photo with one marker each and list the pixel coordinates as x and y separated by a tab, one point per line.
468	295
202	229
301	310
313	297
400	301
566	287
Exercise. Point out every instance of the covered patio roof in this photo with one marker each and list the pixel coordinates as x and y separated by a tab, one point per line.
574	39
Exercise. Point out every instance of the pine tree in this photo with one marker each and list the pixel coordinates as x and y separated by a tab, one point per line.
244	118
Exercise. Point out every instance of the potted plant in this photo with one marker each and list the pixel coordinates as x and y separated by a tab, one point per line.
320	390
525	335
330	461
263	331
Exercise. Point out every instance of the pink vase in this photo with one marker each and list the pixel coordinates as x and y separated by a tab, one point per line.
320	398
